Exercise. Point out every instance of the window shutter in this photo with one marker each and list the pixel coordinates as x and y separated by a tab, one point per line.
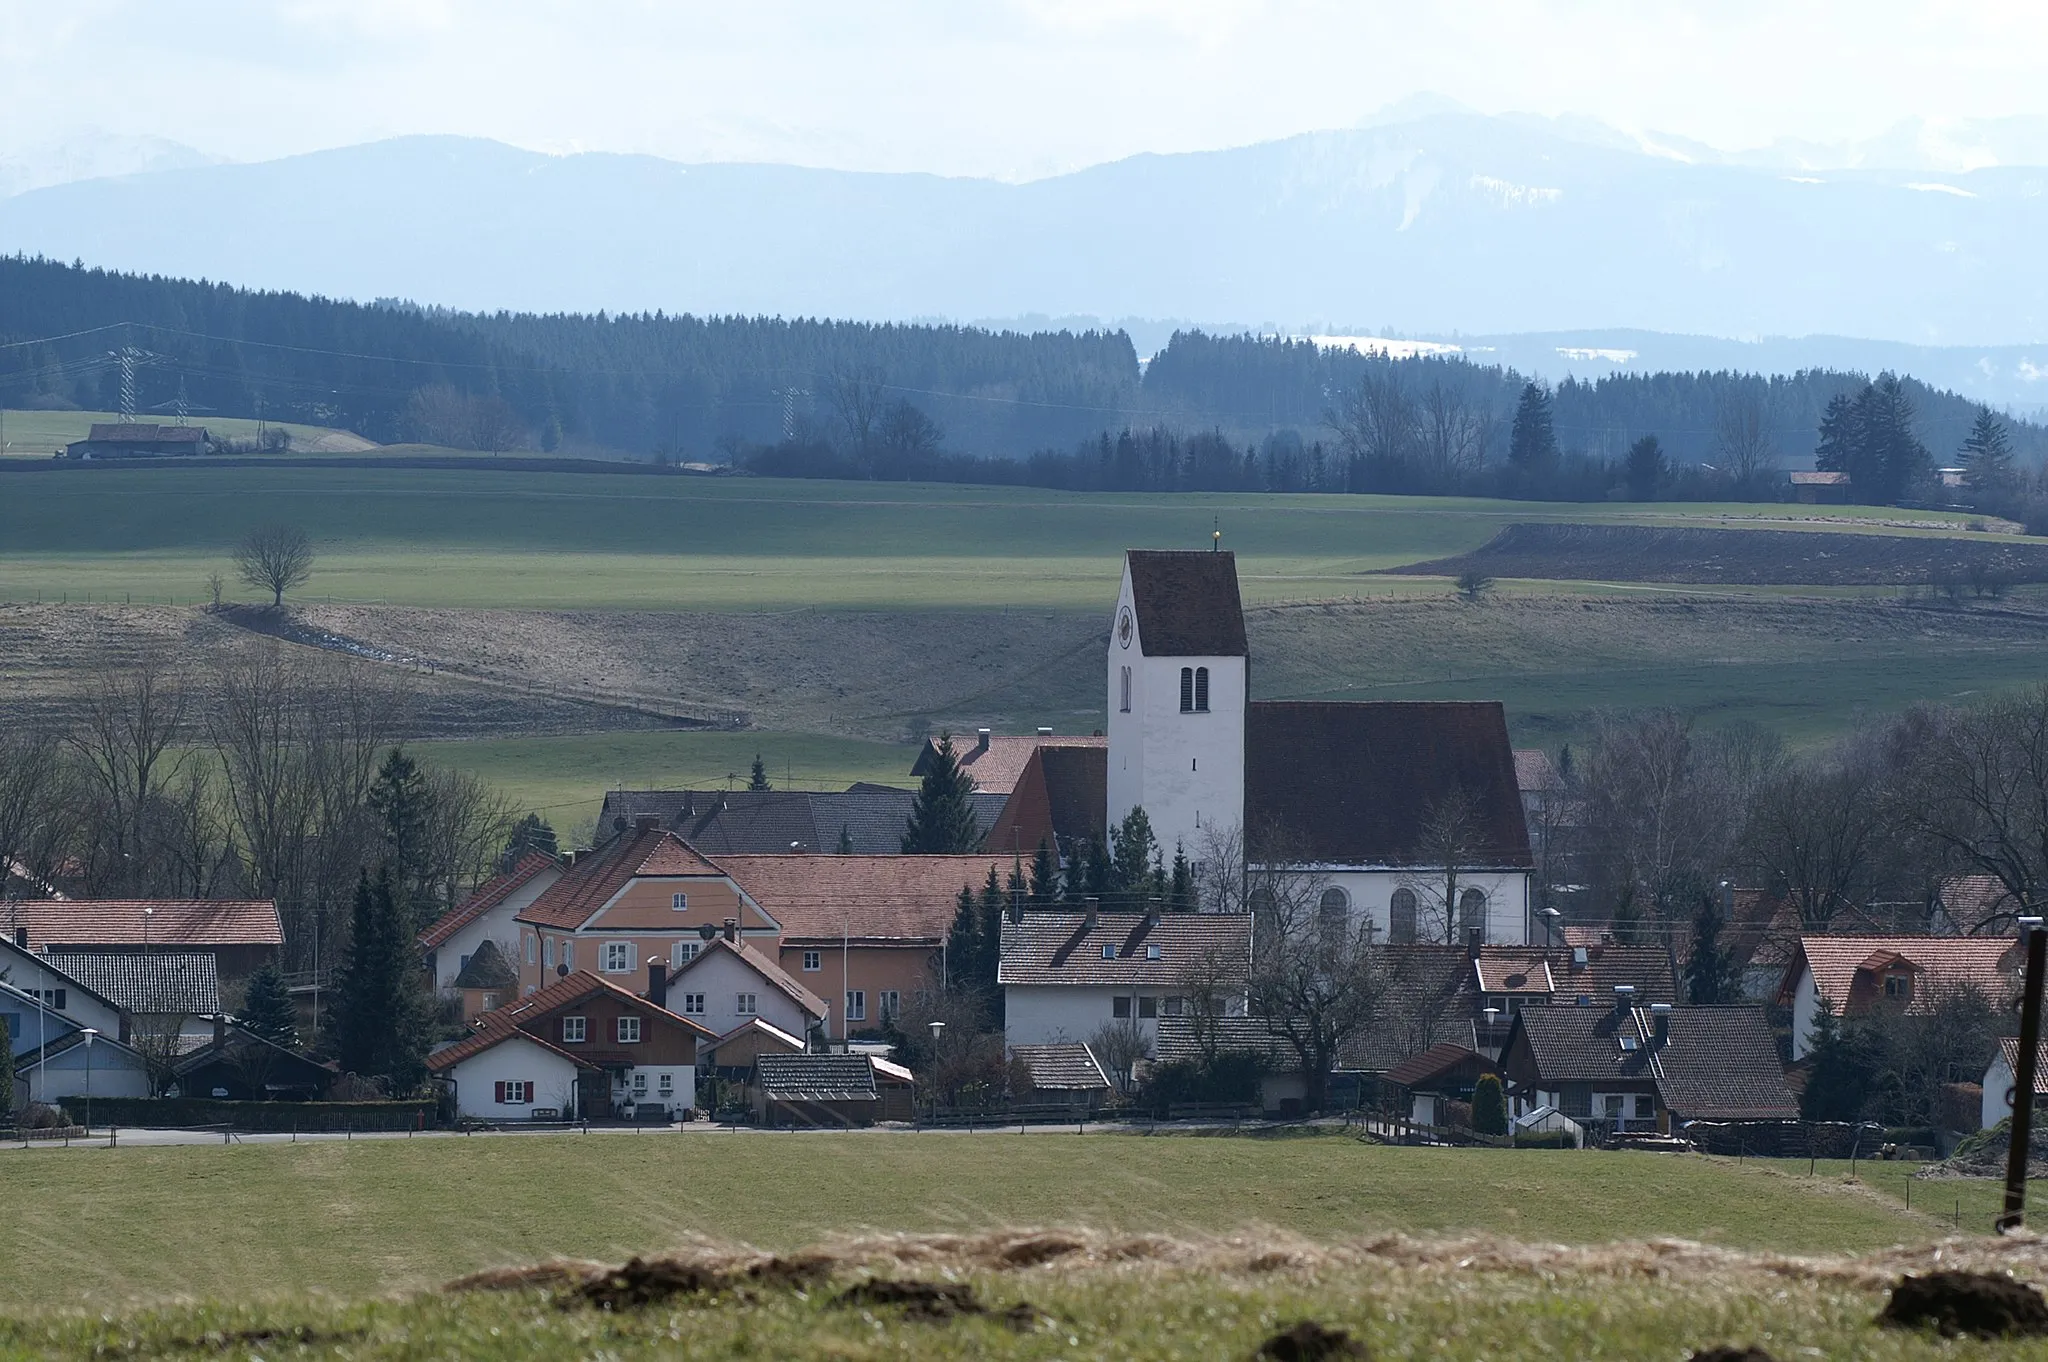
501	1094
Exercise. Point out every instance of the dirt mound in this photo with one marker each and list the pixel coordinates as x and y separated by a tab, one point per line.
1650	553
1309	1341
1726	1353
1982	1304
1983	1154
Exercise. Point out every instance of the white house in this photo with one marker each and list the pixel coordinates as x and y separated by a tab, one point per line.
730	982
1853	976
503	1074
68	1070
487	915
1410	812
1067	975
1999	1086
43	995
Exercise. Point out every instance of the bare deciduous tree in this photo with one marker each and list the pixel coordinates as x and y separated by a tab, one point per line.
1814	830
1375	424
1118	1046
857	396
132	715
277	559
32	781
1742	435
1451	844
1453	434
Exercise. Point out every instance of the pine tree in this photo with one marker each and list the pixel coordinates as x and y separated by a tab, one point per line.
380	1023
1644	471
759	779
1841	442
963	941
401	801
267	1009
989	942
1181	895
1045	877
1711	975
942	821
531	833
6	1073
1987	456
1489	1106
1133	852
1532	441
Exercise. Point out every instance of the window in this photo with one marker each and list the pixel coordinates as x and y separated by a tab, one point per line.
516	1092
618	957
667	1084
1472	914
1124	700
1108	951
547	953
1152	950
568	955
693	1004
856	1004
463	966
1187	690
1610	1104
1173	1007
1401	927
629	1030
575	1030
1896	985
639	1084
1148	1007
746	1004
682	953
531	949
889	1004
1120	1007
490	1002
48	997
1201	690
813	961
680	902
1646	1106
1333	915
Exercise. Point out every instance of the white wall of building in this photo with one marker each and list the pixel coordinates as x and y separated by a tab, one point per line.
496	925
25	972
642	1087
1050	1014
515	1059
721	977
1371	896
113	1071
1185	770
1805	1012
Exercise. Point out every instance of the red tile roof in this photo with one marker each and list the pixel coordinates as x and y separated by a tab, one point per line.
1513	972
1438	1060
1061	948
995	769
2009	1047
772	973
592	882
1971	901
1535	773
495	1027
488	895
866	898
1061	798
122	922
1986	963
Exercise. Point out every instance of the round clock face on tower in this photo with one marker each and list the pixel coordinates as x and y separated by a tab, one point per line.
1125	626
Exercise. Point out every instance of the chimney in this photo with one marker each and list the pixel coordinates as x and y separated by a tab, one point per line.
1045	733
1091	913
1474	939
646	822
220	1030
21	938
732	929
1152	911
1624	997
657	981
1660	1019
981	743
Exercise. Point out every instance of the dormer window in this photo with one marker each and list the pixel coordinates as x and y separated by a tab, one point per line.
1897	984
1109	952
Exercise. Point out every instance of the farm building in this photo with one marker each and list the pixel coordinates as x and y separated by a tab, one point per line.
138	440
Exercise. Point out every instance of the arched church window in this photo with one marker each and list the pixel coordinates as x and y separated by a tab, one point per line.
1201	690
1401	918
1125	705
1333	916
1472	914
1187	690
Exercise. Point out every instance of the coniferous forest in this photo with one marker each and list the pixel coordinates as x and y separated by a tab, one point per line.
803	397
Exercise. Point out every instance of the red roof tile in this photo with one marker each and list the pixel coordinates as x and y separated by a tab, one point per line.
493	1029
488	895
995	769
1514	972
579	985
2009	1047
592	882
1986	963
868	898
122	922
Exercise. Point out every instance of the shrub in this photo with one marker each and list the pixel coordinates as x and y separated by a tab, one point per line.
1544	1139
1489	1106
43	1116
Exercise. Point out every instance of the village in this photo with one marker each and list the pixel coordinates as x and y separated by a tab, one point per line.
1214	909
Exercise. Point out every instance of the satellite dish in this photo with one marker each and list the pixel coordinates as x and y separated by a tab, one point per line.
619	823
561	971
706	931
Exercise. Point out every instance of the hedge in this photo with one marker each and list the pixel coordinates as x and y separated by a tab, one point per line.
173	1113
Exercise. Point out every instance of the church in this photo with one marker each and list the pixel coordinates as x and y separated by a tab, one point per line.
1394	806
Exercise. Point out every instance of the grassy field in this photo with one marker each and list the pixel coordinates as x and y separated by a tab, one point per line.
39	434
246	1222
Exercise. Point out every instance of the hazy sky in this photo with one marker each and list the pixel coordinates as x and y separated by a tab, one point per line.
1014	88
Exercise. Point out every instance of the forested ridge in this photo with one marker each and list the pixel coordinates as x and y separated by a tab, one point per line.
810	397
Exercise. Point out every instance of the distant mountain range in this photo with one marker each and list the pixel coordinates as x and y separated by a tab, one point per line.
1434	221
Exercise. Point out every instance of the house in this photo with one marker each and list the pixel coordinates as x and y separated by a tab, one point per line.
1282	1087
487	982
1823	487
78	1065
815	1090
39	1001
993	761
644	893
895	1090
1066	975
1855	975
235	1064
1378	800
2000	1080
138	440
1974	905
867	933
1443	1073
584	1045
1059	802
864	819
242	935
166	998
1067	1075
490	914
1640	1069
732	1055
731	982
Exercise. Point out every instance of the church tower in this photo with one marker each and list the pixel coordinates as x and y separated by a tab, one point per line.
1177	691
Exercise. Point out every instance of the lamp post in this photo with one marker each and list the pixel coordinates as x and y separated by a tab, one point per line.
91	1034
938	1028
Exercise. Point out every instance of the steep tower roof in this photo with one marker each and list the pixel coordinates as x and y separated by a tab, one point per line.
1187	603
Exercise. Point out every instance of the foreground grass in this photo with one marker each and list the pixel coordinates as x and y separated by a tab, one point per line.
246	1222
1439	1311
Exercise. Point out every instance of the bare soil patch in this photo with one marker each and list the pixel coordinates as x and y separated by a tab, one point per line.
1649	553
1981	1304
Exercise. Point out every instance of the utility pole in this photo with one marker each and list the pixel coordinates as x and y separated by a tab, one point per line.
128	355
2020	1144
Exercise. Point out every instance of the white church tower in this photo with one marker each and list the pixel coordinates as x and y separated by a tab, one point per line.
1177	690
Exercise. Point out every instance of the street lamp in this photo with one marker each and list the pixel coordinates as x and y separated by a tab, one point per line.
91	1034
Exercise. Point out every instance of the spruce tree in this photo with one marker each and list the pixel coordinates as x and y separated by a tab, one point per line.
267	1009
1841	442
1133	852
758	780
6	1073
942	821
1987	457
1711	975
1644	471
989	952
401	801
1045	877
380	1023
963	941
1181	894
1489	1107
1532	441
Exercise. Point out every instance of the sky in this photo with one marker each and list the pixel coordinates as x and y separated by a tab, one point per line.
1013	89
